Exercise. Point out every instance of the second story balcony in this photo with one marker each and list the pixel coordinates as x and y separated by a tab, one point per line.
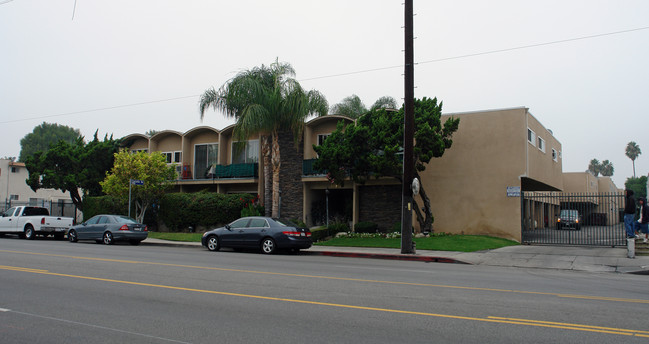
233	171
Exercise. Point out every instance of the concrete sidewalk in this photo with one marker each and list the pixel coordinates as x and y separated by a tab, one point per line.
590	259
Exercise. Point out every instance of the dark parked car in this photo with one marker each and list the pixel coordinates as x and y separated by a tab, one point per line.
108	229
569	218
263	233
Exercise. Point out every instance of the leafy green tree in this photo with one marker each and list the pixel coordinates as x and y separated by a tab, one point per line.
45	135
71	167
607	168
151	132
266	100
152	169
353	106
638	185
372	147
632	152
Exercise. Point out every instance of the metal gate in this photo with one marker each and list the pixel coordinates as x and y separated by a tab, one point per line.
559	218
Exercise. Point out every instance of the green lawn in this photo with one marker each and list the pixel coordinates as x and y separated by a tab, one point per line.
462	243
190	237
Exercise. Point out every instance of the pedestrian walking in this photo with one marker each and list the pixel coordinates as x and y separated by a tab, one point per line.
643	221
629	214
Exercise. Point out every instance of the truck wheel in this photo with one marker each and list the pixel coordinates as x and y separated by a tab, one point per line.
29	232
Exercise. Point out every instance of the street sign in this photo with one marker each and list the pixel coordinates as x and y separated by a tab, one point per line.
137	182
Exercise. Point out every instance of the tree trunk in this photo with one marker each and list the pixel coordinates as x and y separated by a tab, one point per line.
76	199
425	223
268	176
276	162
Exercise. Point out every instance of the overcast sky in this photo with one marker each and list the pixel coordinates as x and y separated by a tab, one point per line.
131	66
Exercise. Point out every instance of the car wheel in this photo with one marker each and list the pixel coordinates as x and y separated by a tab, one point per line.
213	243
72	236
29	232
108	238
268	246
134	242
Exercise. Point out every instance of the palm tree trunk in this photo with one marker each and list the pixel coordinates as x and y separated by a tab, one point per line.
633	161
268	181
276	162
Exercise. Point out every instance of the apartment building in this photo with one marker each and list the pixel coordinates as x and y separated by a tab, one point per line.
15	191
474	188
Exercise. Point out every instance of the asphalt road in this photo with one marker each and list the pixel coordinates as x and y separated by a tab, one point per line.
58	292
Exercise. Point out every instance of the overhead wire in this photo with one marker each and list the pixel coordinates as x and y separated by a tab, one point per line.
347	73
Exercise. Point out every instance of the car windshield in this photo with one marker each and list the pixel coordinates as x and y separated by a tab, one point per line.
569	213
124	219
285	223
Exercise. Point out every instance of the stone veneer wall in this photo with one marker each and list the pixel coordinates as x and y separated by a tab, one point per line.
380	204
290	178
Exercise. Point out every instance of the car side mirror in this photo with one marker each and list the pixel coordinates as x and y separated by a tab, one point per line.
228	227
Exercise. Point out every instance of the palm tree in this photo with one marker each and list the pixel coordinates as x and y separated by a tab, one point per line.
607	168
632	151
353	106
594	167
266	100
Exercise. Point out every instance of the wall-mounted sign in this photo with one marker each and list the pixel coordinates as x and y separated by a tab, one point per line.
513	191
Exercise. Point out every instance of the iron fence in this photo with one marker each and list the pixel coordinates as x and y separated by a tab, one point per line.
559	218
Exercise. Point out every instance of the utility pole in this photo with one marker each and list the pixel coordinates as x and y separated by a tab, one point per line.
408	132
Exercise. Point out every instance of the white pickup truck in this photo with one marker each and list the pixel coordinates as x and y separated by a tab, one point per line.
28	222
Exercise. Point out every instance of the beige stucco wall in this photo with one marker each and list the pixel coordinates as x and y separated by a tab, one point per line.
315	127
166	142
468	184
580	182
540	165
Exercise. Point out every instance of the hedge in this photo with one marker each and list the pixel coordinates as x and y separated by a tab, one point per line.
177	211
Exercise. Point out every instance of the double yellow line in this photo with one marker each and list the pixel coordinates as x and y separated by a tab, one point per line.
571	296
490	319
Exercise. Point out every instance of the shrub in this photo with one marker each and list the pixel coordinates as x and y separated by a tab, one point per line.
298	222
319	233
181	210
336	227
103	205
366	227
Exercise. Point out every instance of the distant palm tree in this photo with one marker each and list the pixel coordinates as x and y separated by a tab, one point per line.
266	100
607	168
353	106
632	151
595	167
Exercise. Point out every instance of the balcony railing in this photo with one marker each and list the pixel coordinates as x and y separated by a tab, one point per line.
226	171
308	170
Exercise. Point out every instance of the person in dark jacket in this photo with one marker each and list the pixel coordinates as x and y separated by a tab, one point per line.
629	214
643	221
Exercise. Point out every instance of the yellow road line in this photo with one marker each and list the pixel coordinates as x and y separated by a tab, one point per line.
491	319
572	296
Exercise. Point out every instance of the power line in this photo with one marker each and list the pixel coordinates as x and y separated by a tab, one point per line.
98	109
348	73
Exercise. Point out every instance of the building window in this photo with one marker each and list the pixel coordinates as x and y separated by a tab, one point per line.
531	137
14	169
205	155
322	138
542	145
245	152
139	150
554	154
172	157
13	197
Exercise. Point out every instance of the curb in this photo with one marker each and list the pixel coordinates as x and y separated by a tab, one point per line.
427	259
415	258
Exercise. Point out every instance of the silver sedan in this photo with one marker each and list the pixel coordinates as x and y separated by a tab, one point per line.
108	229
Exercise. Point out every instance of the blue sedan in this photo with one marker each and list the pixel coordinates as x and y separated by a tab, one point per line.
265	233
